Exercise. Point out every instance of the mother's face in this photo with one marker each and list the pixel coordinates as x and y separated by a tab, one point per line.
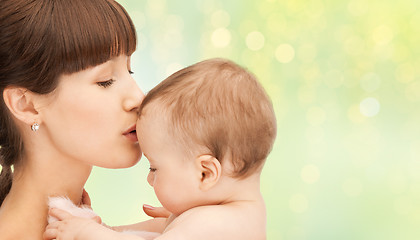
91	114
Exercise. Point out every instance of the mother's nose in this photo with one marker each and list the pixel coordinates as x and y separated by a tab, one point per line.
134	97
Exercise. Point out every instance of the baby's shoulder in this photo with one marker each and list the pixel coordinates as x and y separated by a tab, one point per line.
230	210
236	220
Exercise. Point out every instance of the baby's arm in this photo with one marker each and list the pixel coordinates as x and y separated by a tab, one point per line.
160	217
69	227
204	223
152	225
149	229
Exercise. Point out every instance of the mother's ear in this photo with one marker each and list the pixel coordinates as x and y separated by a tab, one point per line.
210	170
20	103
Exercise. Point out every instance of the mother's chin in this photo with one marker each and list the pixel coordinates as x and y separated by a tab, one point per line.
120	158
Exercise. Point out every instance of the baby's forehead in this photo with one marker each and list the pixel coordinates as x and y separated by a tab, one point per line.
153	106
155	118
151	113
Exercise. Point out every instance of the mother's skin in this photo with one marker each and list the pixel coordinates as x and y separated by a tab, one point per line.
65	65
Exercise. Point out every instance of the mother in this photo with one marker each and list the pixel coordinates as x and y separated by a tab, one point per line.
68	103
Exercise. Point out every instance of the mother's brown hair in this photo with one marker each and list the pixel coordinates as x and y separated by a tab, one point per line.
43	39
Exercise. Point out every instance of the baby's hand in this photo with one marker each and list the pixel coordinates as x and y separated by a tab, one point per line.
69	227
67	205
156	212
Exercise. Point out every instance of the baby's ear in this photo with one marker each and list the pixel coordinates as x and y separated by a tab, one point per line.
210	170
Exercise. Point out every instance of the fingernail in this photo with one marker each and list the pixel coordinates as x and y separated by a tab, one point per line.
148	207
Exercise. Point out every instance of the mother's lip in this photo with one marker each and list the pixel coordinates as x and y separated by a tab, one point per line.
131	134
131	129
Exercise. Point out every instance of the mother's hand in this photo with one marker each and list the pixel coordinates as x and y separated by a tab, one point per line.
156	212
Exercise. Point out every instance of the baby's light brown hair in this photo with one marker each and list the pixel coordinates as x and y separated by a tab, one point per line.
218	105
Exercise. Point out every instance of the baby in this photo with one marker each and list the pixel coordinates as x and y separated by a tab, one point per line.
206	131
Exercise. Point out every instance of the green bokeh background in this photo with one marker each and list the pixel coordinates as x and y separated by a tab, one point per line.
344	80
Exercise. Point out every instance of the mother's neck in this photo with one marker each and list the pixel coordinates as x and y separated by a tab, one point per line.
35	179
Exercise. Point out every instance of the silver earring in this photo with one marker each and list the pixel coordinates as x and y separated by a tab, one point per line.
35	127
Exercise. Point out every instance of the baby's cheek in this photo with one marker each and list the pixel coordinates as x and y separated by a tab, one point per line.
170	198
162	194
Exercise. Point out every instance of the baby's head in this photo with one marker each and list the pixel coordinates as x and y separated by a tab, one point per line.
218	106
212	108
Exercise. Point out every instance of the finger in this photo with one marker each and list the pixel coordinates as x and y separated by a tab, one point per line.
59	214
86	198
53	225
156	212
50	234
97	219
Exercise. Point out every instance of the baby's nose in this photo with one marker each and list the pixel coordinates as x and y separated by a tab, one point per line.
150	178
